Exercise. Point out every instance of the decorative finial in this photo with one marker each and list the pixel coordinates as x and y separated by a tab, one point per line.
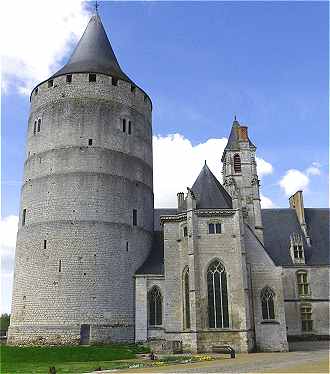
235	118
96	7
205	162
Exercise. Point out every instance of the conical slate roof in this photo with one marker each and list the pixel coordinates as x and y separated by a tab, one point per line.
209	192
94	54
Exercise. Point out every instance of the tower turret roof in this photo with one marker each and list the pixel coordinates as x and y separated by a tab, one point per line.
94	54
209	192
233	140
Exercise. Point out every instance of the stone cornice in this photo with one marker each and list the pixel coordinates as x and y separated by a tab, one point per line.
215	212
199	212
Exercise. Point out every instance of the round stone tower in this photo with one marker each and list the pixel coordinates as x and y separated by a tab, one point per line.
86	216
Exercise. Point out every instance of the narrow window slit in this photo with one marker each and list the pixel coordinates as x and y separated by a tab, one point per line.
69	78
134	217
24	217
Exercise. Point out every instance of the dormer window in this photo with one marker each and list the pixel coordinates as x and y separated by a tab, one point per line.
237	164
50	83
297	249
298	252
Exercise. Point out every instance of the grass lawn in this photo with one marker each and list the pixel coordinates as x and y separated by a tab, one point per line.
78	359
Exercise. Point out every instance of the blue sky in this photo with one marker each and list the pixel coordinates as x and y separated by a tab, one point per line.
201	63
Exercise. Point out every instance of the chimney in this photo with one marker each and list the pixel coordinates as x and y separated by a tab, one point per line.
242	133
180	196
296	202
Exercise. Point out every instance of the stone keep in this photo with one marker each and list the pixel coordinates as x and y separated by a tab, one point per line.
86	217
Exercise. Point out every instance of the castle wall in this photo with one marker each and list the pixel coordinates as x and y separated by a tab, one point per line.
226	247
78	249
270	335
318	299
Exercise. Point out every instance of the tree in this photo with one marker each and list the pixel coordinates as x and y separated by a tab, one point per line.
4	321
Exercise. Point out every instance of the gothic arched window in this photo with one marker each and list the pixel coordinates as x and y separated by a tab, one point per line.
217	295
155	306
186	299
237	164
267	303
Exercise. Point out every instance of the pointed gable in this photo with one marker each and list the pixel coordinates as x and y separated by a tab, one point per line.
94	54
209	192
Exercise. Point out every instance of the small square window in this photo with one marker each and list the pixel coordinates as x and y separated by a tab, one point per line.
69	78
50	83
133	88
218	228
211	228
90	141
92	77
114	81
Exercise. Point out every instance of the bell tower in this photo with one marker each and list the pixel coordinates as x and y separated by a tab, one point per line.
240	176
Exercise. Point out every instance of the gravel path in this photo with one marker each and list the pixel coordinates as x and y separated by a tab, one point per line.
305	357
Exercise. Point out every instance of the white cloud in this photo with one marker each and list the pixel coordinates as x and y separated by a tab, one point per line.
40	34
177	163
263	167
314	169
266	202
8	232
295	180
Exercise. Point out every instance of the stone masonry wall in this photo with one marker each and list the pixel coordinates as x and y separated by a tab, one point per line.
78	249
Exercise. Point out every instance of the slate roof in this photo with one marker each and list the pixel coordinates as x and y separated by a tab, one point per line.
279	224
154	263
209	192
94	54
